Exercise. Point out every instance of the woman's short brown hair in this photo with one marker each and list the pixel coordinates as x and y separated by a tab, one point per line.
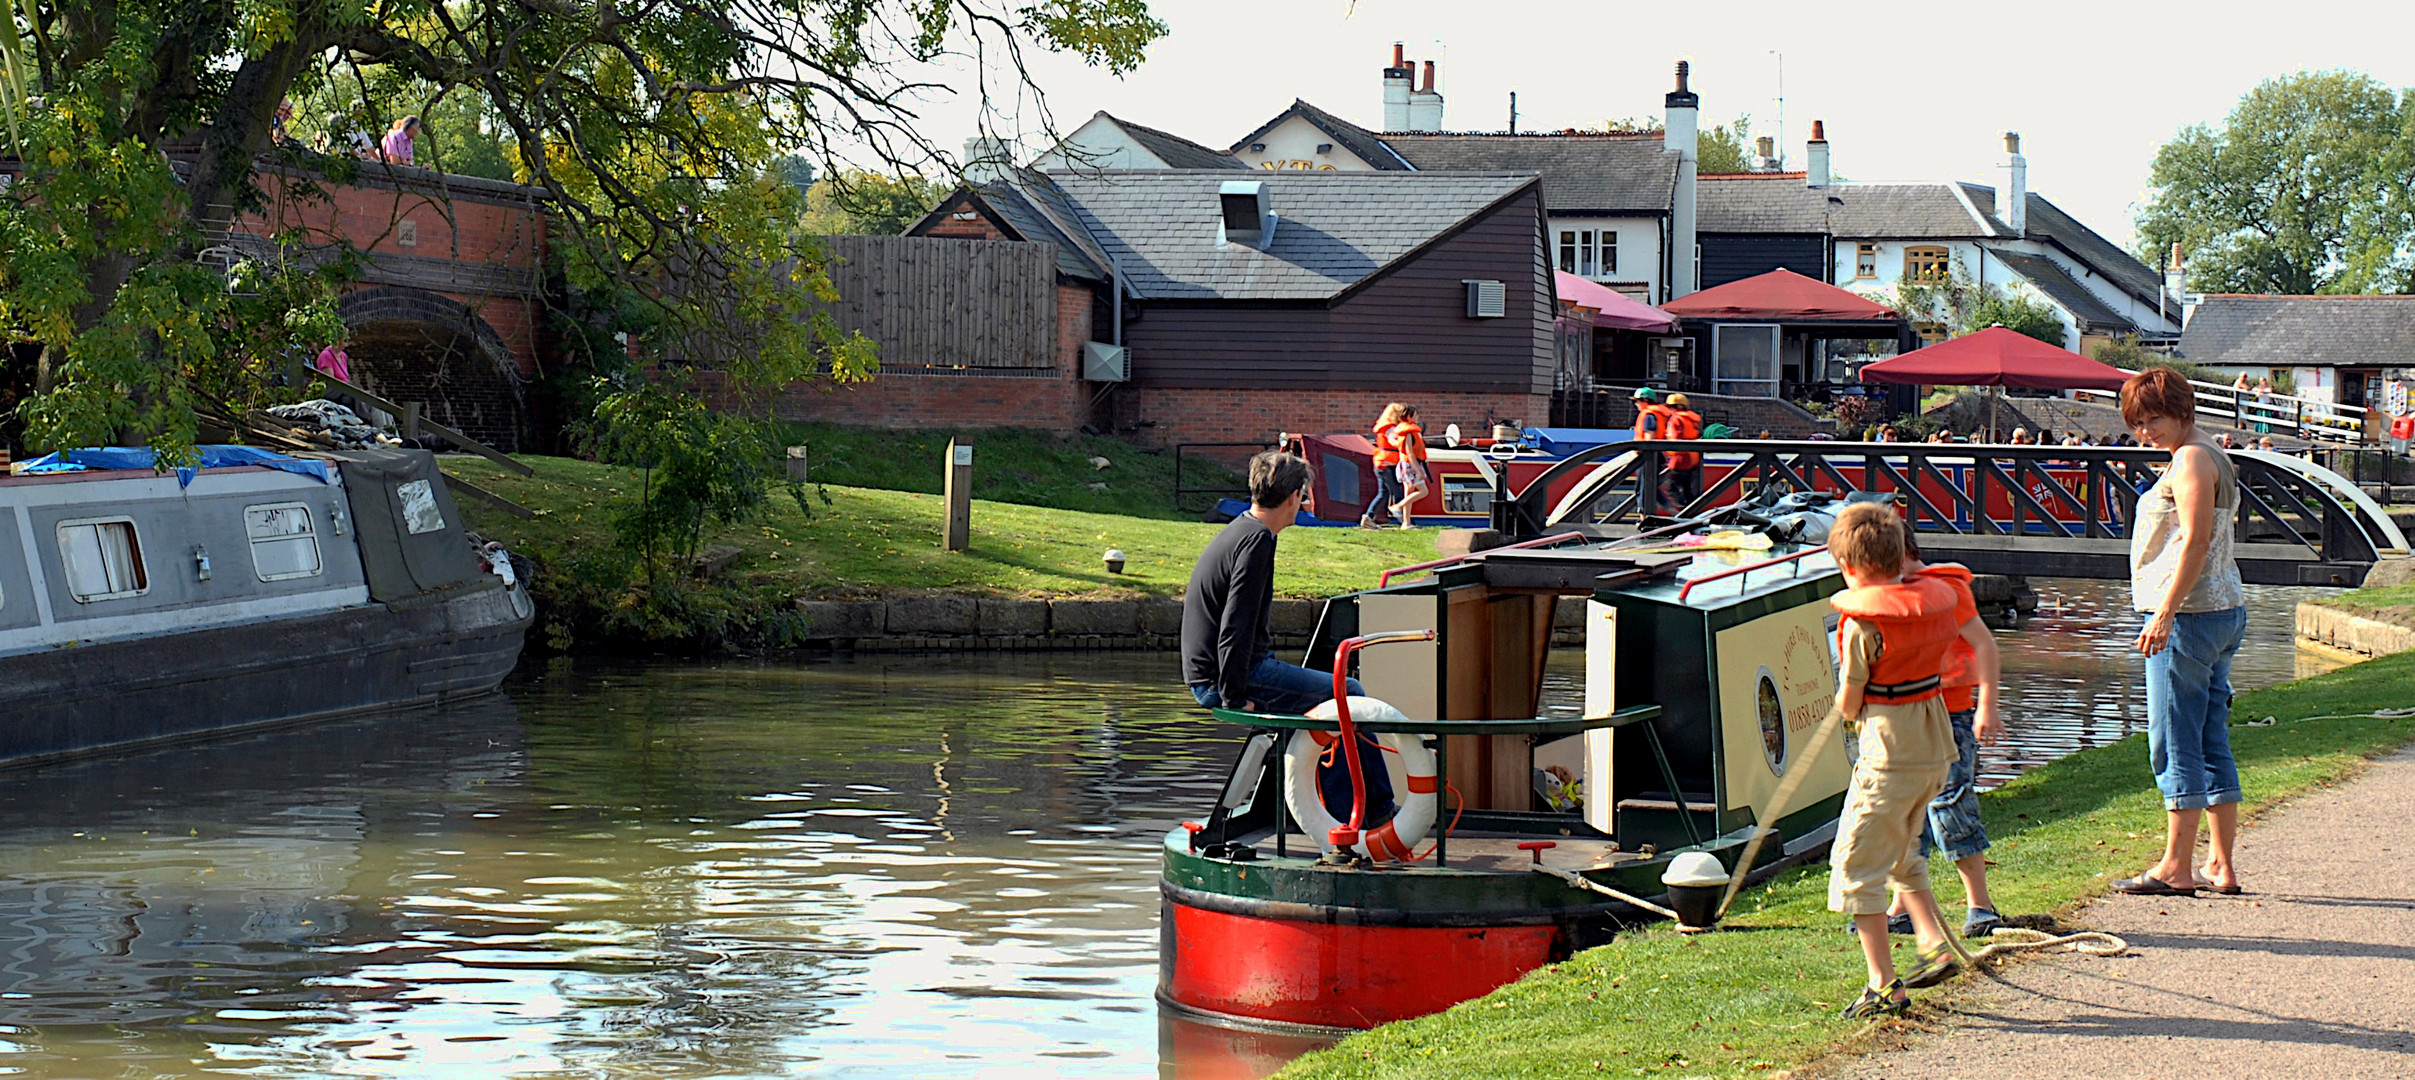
2158	391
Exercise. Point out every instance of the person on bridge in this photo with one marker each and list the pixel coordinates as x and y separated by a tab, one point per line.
1228	650
2184	578
396	149
1683	469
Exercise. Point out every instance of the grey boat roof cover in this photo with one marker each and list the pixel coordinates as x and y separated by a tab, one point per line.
1333	229
2094	315
2284	331
1598	173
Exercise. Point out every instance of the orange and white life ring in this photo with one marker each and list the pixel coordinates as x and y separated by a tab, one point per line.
1415	785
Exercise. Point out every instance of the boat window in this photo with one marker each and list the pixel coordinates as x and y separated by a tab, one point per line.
103	558
284	545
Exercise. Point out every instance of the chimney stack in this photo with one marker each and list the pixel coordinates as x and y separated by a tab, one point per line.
1682	110
1815	157
1425	104
987	161
1765	153
2016	202
1396	90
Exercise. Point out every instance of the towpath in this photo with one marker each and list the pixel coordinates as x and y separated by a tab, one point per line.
2311	973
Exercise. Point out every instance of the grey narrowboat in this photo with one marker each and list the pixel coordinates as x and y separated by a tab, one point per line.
140	607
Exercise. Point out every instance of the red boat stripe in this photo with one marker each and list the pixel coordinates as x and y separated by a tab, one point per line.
1424	785
1340	975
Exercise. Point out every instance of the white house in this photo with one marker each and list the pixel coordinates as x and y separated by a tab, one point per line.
1106	142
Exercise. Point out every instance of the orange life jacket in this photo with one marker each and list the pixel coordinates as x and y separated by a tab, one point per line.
1915	624
1658	414
1411	439
1682	424
1386	454
2403	427
1960	679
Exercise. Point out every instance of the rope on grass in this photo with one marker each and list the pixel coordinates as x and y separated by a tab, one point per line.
2377	714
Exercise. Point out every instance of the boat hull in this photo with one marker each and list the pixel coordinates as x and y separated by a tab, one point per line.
164	688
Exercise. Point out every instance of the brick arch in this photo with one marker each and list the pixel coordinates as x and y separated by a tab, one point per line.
413	345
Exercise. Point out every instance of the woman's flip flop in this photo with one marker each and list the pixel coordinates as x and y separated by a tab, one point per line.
2142	885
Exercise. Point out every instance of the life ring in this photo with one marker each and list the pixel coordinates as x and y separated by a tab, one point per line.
1415	785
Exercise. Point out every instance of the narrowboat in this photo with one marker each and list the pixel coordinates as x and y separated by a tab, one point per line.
140	607
1493	840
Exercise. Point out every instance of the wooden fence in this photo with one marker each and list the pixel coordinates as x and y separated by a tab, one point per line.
938	304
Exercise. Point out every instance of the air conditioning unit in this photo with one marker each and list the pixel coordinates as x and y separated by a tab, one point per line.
1102	362
1485	299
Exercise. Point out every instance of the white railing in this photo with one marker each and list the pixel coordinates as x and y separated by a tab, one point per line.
2305	418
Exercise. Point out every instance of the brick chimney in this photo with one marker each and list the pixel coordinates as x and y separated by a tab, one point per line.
2016	199
1815	157
1681	121
1397	80
1425	104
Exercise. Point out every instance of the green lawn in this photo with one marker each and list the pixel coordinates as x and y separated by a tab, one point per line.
1763	994
1011	466
870	542
2394	603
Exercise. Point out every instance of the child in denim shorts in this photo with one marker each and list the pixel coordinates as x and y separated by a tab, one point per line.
1971	678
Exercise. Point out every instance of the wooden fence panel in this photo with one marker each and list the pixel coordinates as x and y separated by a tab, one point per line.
936	303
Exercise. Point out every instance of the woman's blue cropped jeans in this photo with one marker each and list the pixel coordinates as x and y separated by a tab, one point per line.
2189	710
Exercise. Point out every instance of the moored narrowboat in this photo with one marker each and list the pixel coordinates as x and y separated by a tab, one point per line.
140	607
1493	840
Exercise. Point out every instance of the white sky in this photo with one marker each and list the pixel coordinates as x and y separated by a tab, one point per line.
1908	91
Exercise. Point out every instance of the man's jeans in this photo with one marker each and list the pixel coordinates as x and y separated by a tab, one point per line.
1954	814
1278	687
2189	710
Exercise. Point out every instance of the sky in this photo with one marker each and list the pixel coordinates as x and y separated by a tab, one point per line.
1908	91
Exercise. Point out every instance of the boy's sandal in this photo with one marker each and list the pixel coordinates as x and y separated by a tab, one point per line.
1936	965
2142	885
1878	1001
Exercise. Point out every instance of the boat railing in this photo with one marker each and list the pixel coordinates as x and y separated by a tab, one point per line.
1535	725
1385	578
1740	571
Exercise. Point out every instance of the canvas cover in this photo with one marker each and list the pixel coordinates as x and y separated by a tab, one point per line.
410	532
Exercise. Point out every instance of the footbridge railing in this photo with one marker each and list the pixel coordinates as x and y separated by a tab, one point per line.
2044	510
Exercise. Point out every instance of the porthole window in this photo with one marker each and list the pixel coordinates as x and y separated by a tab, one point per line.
1772	710
103	559
284	542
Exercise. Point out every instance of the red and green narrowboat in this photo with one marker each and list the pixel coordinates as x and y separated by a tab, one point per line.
1485	840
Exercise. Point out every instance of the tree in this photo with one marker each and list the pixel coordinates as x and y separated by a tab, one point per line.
652	129
1726	148
1963	305
858	201
2302	189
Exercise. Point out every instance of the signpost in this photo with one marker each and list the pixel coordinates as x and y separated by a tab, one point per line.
959	492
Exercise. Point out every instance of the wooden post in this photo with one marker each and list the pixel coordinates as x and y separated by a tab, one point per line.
796	464
410	420
959	531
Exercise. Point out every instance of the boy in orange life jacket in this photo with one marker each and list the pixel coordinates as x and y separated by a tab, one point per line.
1891	653
1684	469
1971	675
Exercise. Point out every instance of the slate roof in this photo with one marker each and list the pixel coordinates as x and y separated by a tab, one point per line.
1176	151
2048	222
1334	228
1610	174
1032	208
1781	203
2094	315
1368	145
2285	331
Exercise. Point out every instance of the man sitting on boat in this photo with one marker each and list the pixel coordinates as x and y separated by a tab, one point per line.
1228	654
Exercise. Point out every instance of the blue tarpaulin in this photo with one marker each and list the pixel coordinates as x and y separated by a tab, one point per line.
1233	508
213	456
1564	441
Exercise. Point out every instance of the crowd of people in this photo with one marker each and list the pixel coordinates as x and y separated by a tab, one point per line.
343	134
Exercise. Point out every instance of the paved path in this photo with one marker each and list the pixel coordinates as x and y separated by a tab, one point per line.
2310	974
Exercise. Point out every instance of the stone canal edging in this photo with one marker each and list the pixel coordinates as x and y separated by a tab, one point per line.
2350	632
950	623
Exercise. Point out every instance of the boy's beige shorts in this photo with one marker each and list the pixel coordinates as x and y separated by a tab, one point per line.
1877	844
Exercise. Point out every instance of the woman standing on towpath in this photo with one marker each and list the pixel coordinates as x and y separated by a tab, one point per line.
2184	578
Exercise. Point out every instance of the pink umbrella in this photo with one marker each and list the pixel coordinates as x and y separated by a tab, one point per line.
1616	310
1996	357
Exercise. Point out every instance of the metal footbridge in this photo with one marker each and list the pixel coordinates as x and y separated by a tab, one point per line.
2049	511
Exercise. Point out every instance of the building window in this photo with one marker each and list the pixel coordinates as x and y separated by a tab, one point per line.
1930	333
1865	261
283	543
1568	251
1926	264
1609	252
1589	253
104	560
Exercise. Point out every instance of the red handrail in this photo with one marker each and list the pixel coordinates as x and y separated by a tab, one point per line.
1385	578
1733	571
1345	837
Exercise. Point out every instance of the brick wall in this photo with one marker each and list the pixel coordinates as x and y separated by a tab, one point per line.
1167	415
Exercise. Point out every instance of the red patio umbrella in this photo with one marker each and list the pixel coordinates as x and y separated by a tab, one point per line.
1996	357
1617	311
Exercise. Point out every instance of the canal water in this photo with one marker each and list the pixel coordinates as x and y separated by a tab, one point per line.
876	867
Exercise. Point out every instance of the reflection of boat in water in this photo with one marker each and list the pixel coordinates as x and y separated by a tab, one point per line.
140	608
1706	676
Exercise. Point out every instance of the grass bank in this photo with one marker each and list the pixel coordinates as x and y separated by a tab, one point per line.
2392	603
1763	994
864	542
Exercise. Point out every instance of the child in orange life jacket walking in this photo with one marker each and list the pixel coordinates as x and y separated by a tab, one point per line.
1891	653
1409	438
1970	682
